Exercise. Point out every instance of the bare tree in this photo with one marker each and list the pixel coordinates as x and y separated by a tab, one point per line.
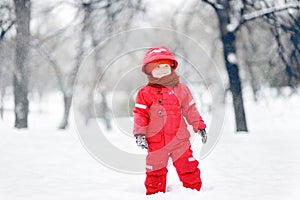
94	21
231	16
20	77
68	90
66	81
116	15
286	31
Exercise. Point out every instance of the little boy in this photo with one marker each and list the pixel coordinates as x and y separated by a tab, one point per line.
159	124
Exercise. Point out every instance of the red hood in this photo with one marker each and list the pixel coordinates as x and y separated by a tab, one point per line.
158	53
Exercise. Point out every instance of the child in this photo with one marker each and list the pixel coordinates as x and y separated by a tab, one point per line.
159	125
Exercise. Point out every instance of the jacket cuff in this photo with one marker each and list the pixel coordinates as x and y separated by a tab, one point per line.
139	134
198	126
139	129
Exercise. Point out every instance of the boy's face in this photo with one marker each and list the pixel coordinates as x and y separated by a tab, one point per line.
161	70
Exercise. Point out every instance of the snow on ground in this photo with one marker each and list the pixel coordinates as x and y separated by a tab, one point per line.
44	163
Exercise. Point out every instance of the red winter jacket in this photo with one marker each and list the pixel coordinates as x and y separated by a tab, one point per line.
159	113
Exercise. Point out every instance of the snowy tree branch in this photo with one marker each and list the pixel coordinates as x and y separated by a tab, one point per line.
6	19
4	31
266	11
216	6
251	16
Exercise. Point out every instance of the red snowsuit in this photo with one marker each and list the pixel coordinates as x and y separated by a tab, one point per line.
159	114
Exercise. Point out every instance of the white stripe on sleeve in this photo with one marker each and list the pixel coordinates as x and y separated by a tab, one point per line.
191	159
137	105
192	102
149	167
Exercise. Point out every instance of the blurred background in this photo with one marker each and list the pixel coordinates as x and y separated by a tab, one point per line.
253	44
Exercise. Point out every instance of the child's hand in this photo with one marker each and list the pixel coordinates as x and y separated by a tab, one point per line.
141	141
203	134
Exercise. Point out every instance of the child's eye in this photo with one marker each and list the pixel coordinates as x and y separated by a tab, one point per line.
163	65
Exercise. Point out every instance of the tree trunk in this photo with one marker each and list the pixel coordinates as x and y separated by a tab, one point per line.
106	111
68	93
228	40
20	77
2	103
67	106
253	80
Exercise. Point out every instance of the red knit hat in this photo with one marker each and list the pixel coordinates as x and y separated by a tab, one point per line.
158	55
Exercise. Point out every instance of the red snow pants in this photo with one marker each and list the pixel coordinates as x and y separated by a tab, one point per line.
184	162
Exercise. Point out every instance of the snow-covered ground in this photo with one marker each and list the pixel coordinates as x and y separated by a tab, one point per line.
44	163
